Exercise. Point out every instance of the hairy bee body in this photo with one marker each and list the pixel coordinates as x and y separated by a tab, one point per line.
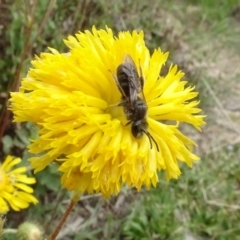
130	84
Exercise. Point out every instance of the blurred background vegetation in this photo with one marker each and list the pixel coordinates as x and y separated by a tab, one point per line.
203	38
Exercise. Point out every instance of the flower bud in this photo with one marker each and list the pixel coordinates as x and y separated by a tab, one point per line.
29	231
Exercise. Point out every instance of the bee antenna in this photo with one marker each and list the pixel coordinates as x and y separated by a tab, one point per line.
150	137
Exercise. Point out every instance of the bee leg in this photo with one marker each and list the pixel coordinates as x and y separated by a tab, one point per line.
117	83
116	105
128	123
141	79
141	75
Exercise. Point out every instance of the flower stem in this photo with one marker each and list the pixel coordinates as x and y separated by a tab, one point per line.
64	217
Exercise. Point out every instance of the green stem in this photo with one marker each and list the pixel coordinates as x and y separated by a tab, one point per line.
9	230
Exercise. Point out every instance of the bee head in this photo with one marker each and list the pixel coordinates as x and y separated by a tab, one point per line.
139	128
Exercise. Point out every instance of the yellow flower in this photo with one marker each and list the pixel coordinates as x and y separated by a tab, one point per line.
14	189
67	96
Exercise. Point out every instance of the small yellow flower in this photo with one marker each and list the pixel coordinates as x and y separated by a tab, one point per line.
66	96
14	189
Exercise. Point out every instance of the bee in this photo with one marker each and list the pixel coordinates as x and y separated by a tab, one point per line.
130	85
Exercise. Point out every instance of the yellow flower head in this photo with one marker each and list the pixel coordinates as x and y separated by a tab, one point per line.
73	97
14	189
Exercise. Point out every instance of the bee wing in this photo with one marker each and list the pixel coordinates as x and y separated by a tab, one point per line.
133	74
135	80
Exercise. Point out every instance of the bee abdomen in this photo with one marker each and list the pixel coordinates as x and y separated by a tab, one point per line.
123	80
